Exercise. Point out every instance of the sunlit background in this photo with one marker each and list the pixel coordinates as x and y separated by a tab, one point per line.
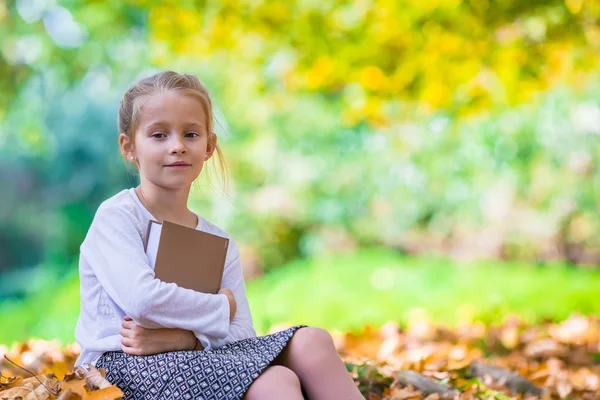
388	160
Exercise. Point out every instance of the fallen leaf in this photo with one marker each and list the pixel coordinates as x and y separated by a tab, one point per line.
108	393
69	395
18	391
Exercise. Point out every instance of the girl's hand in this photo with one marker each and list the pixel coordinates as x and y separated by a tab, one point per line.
232	303
139	341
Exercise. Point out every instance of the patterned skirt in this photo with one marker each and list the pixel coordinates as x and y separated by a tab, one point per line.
222	373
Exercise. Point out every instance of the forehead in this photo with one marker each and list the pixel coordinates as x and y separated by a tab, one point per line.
172	108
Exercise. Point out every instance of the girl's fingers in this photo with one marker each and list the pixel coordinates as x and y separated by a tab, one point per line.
125	341
130	350
127	324
127	318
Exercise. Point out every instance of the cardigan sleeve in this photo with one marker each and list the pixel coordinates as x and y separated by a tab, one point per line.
241	327
115	252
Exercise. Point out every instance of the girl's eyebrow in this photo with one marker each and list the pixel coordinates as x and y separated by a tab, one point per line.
159	124
155	125
194	124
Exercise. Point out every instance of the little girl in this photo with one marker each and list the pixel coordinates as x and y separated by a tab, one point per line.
157	340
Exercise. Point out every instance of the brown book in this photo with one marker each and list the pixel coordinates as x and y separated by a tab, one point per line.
188	257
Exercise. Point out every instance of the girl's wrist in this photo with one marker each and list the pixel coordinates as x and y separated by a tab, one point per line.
190	342
178	340
198	345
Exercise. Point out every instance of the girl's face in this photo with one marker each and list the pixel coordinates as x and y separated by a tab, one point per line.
171	129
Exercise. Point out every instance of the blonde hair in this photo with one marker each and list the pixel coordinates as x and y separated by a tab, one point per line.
131	104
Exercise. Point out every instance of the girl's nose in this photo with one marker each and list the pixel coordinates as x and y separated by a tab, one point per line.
177	145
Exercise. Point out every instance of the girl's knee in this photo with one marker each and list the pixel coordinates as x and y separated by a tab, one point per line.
309	348
312	338
275	382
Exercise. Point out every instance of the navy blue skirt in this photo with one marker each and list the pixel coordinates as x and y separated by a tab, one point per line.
222	373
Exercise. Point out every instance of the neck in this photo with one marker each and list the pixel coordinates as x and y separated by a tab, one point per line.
165	203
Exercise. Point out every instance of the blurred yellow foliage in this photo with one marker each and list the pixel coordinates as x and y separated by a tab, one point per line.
459	55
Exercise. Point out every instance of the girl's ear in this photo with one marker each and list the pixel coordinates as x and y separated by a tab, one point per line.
125	146
211	145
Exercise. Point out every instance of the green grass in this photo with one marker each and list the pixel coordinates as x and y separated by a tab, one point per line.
345	292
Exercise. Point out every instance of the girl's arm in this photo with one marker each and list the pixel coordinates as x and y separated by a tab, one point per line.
114	251
139	341
241	327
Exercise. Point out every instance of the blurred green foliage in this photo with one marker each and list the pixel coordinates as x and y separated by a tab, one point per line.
464	127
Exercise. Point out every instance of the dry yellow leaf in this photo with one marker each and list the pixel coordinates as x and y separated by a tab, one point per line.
75	386
69	395
108	393
40	393
17	391
94	378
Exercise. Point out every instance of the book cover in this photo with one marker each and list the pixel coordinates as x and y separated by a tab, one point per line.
190	258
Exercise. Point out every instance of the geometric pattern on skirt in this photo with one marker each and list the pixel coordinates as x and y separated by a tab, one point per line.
225	372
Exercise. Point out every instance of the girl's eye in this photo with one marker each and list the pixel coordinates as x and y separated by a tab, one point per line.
159	135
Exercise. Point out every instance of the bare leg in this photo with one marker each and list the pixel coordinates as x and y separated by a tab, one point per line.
276	382
311	354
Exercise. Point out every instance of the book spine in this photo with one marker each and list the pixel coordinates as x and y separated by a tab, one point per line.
224	260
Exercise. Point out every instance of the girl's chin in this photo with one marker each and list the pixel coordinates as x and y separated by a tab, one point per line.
176	183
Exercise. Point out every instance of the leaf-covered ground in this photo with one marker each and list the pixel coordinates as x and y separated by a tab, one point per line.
513	360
